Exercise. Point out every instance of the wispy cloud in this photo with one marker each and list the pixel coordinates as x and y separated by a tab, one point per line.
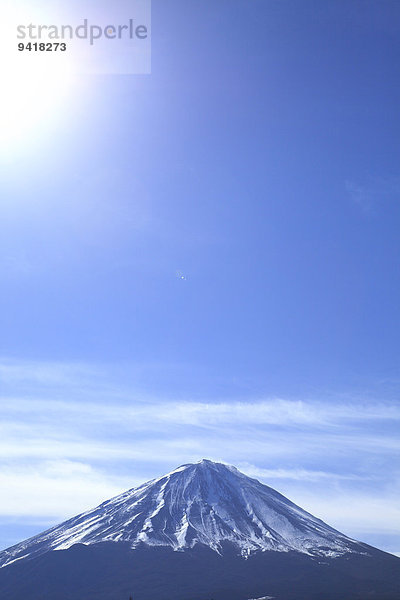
46	373
358	514
169	431
302	475
56	489
273	411
373	193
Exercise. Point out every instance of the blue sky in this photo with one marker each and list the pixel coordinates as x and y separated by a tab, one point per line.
204	262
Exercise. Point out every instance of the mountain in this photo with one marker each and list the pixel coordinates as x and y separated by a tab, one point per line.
205	530
204	503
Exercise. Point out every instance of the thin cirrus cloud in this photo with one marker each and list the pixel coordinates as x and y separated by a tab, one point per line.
76	430
298	474
202	414
56	489
374	193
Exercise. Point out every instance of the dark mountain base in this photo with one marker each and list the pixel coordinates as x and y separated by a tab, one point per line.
111	571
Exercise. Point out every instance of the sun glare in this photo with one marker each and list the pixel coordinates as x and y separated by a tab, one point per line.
32	90
34	85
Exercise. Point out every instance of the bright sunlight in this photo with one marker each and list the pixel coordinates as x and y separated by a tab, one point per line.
34	84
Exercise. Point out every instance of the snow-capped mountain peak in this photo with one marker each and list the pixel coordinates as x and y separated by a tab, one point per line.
203	503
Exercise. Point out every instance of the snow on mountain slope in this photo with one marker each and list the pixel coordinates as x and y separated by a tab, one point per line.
203	503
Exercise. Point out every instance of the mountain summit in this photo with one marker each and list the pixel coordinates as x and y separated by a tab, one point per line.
204	530
203	503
